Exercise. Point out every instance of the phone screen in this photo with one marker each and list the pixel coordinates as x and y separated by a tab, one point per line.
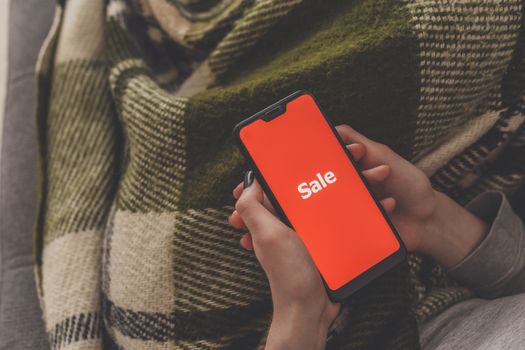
320	191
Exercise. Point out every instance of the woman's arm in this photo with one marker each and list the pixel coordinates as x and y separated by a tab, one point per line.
496	267
451	233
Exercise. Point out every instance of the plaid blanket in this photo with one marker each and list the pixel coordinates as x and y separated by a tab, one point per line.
137	100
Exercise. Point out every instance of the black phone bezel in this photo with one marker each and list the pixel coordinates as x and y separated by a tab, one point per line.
369	275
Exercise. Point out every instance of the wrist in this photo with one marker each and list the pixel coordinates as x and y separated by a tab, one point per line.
299	327
451	232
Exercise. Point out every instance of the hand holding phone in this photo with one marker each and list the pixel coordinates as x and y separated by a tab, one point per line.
315	187
302	312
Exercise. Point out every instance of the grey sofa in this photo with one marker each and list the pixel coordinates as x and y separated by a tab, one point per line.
21	325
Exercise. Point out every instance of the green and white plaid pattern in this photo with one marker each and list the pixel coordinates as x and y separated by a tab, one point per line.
137	101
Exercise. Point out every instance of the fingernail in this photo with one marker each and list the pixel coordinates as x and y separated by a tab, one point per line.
248	178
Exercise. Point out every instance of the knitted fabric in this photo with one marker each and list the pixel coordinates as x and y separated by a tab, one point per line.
137	101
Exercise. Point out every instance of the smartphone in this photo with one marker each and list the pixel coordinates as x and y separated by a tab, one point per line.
316	188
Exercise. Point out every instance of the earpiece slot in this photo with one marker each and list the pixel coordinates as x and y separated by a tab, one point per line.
274	112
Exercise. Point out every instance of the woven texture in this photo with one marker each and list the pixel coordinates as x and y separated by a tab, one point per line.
137	162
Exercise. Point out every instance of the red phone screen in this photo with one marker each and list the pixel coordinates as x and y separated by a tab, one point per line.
320	191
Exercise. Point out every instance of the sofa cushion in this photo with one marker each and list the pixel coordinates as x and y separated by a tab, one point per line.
21	325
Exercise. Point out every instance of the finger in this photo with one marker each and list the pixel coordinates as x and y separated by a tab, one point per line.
238	190
250	207
389	204
246	241
266	202
268	205
357	150
236	220
349	135
378	174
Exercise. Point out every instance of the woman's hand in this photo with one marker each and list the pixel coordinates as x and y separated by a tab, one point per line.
406	188
302	311
428	221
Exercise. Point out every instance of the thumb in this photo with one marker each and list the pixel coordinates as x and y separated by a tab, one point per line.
250	207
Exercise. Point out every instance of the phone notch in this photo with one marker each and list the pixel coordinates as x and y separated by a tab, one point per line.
274	112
